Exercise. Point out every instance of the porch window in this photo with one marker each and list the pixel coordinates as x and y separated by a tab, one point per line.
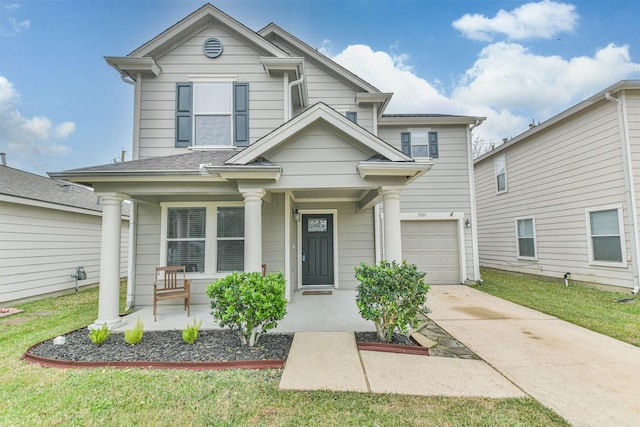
186	233
230	239
606	240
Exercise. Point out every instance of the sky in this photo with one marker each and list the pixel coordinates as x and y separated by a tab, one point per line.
514	62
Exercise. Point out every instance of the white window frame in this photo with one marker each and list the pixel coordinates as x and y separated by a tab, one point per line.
621	231
413	132
211	235
496	174
535	240
219	239
195	80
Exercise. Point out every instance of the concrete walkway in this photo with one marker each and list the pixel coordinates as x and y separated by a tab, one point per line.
587	378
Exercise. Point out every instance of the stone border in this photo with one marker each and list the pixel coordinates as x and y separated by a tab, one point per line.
393	348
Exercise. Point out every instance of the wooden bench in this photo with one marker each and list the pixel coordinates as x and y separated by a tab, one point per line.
171	283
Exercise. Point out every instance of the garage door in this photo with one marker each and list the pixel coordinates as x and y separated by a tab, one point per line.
433	247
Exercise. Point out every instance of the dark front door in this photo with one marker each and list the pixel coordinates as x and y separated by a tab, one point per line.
317	249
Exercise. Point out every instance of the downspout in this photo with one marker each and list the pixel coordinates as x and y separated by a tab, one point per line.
472	199
289	102
629	181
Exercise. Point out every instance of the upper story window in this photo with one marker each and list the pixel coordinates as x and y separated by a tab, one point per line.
420	143
526	232
352	115
212	114
500	167
606	241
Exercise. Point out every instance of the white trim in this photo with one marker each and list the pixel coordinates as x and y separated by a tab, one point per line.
445	216
212	78
287	244
210	239
49	205
621	231
333	212
535	239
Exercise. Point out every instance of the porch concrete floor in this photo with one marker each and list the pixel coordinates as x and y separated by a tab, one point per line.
305	313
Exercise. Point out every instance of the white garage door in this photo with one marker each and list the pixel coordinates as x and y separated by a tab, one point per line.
433	247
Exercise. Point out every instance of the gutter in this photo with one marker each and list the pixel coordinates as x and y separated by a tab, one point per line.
625	143
472	201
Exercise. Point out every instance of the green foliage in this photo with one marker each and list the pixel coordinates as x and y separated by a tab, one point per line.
248	303
190	333
391	295
99	335
134	336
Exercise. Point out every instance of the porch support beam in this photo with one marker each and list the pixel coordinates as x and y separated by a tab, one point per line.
392	229
109	288
252	228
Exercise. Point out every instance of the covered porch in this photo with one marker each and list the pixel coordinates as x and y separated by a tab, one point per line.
306	312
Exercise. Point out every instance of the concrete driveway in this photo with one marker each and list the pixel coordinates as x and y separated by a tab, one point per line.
587	378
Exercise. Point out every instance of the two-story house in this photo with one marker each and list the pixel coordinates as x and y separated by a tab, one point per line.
563	196
253	148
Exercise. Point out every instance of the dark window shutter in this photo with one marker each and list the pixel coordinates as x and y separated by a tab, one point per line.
241	114
353	116
184	113
433	145
405	139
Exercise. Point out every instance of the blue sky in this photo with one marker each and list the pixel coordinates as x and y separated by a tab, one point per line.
63	107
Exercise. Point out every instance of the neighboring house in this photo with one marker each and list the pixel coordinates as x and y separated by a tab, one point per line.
253	148
48	229
563	196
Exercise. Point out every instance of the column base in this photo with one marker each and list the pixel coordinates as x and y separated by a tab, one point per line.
111	324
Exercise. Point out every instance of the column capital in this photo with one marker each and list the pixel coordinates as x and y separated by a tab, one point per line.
109	198
252	193
390	190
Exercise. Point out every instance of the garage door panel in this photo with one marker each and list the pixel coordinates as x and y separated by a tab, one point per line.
433	247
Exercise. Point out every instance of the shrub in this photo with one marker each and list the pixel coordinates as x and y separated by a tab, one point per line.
99	335
134	336
391	296
190	333
248	303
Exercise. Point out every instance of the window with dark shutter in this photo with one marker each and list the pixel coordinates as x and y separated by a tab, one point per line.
433	145
405	140
184	114
241	114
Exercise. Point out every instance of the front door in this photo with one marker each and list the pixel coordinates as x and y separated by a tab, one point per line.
317	249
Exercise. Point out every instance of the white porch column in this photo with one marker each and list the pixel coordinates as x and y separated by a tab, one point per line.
392	229
252	228
109	291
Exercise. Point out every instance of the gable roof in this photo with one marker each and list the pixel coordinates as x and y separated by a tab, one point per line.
600	96
19	186
318	112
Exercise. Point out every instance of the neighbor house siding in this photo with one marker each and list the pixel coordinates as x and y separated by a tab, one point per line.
158	94
41	248
555	175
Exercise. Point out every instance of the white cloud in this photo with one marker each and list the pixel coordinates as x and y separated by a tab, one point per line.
543	19
28	137
388	73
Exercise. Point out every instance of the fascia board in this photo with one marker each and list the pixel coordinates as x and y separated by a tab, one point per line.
600	96
318	112
368	169
429	121
322	59
134	65
201	15
48	205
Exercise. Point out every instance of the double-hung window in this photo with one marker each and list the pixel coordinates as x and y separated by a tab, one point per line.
420	143
526	232
500	167
212	114
606	239
204	237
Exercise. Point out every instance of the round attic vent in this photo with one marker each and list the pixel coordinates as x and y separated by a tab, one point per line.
212	47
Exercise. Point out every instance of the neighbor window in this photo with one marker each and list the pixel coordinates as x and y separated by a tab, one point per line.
500	166
420	143
605	236
526	237
186	232
230	239
206	238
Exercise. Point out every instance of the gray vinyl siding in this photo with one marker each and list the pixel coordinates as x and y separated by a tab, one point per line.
554	176
158	94
41	248
632	98
444	188
273	233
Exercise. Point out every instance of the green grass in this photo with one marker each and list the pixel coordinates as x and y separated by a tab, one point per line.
32	395
590	308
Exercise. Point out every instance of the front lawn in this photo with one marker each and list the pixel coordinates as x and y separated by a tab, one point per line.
590	308
32	395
